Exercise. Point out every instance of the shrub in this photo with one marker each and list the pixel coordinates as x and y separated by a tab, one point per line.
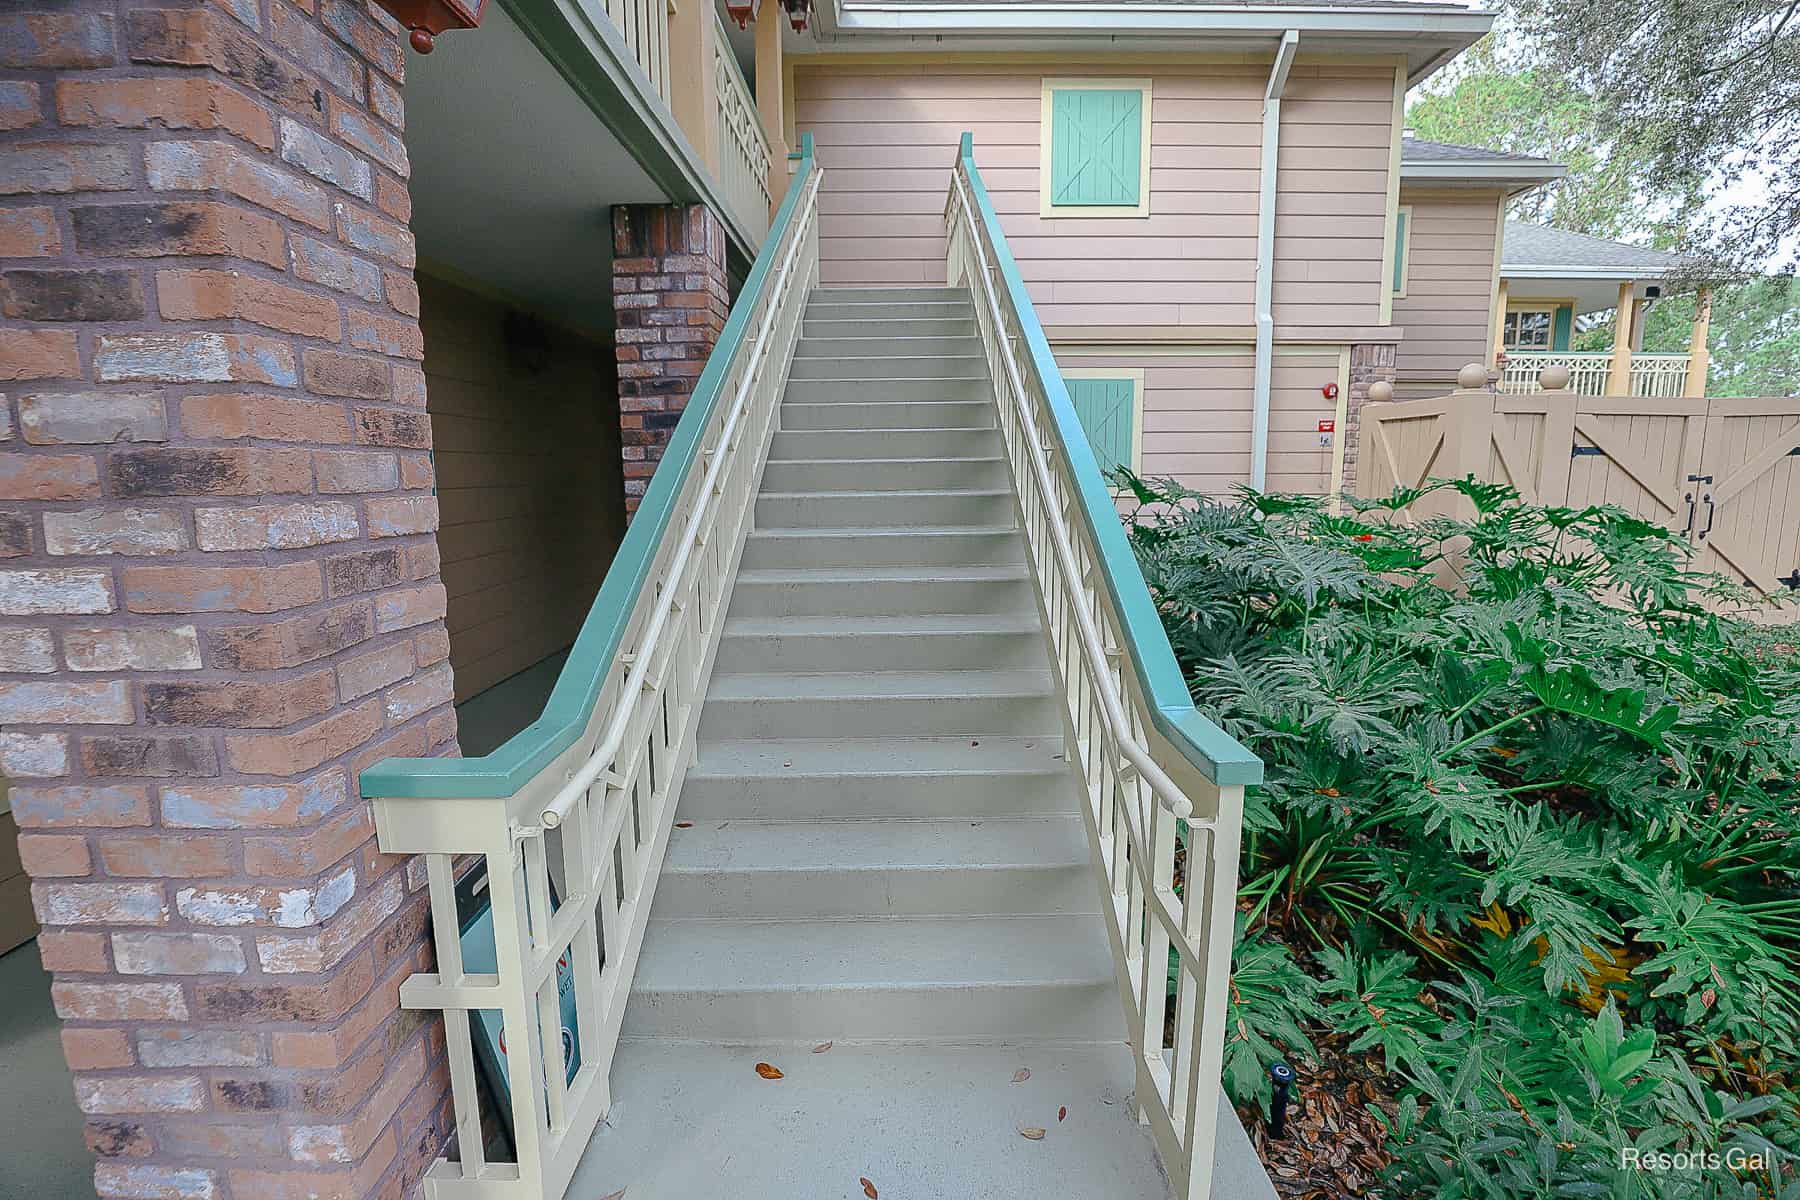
1531	822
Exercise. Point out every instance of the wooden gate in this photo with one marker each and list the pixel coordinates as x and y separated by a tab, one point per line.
1748	504
1723	474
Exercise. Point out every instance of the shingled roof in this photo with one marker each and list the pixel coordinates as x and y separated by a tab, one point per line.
1537	248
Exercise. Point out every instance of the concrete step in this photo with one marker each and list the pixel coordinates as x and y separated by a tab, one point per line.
902	389
915	1121
884	411
880	704
830	309
875	546
871	591
880	325
896	344
815	444
889	509
800	870
883	474
835	365
924	979
913	643
971	778
888	294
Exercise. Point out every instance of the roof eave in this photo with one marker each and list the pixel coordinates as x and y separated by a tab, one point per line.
1537	271
1435	34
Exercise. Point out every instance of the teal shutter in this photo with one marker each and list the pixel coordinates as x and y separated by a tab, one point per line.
1399	251
1103	407
1562	324
1096	147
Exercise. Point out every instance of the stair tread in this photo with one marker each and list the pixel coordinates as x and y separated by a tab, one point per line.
902	625
884	493
724	956
1000	572
935	757
878	460
879	685
879	844
877	531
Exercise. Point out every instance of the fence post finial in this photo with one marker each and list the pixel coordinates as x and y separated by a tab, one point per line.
1554	379
1380	392
1473	377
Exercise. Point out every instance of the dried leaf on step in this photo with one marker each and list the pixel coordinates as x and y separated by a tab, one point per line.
1032	1132
684	824
821	1048
974	743
618	1195
1061	1113
1022	1074
868	1188
768	1072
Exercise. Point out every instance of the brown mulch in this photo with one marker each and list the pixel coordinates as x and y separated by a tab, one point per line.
1333	1143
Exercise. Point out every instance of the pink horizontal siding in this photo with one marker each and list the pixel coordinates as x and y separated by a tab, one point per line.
1449	289
887	137
1197	417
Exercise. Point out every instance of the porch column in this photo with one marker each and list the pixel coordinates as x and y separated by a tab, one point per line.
670	301
1618	377
1499	331
769	103
1699	356
695	104
220	599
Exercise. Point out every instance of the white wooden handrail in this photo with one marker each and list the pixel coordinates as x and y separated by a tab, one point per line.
1152	769
1095	658
570	820
584	776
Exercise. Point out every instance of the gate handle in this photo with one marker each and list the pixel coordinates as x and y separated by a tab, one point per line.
1711	511
1688	527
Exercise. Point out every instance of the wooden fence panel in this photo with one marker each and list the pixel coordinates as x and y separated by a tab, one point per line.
1639	453
1724	474
1749	518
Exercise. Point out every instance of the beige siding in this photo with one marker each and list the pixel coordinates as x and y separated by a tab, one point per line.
526	446
887	135
1197	416
1446	311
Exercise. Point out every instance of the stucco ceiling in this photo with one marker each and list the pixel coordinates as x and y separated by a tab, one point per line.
513	177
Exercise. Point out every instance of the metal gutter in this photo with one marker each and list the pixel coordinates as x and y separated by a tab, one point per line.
1265	258
581	42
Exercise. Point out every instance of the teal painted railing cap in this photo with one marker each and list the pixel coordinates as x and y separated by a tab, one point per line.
596	651
1215	753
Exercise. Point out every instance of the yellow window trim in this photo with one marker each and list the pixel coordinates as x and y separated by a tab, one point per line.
1091	83
1136	375
1404	250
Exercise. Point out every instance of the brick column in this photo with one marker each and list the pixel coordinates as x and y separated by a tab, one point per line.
1368	363
670	300
219	598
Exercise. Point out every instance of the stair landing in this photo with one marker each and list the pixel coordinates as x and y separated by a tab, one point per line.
916	1121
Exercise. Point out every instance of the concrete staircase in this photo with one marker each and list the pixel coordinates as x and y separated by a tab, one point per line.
879	846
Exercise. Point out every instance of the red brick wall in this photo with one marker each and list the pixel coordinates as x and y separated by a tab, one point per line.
1369	362
670	301
219	593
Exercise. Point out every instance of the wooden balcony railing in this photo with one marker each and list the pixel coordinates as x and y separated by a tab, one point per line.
1590	371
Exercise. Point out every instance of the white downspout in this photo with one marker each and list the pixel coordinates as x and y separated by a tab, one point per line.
1265	259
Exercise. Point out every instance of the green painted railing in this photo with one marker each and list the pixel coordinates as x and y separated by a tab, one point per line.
596	651
1210	749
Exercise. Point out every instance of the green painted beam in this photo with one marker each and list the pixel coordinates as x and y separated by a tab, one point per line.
597	646
1214	752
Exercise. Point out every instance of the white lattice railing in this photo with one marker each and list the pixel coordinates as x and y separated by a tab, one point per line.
1154	770
644	24
743	147
580	803
1589	371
